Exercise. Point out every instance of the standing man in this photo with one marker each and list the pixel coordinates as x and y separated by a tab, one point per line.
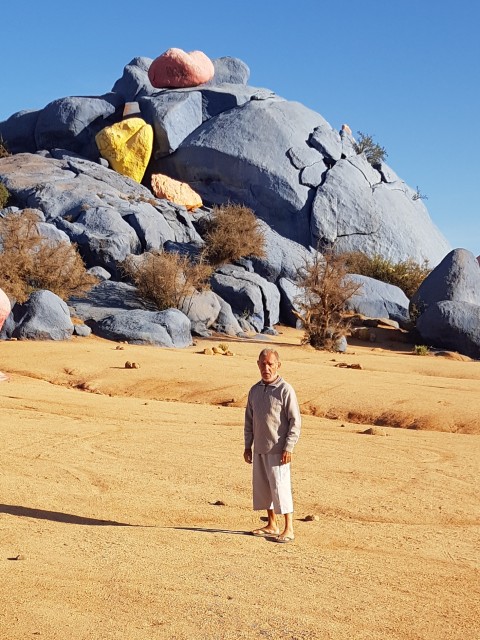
272	427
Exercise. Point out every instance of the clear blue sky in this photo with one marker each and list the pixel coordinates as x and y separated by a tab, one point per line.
406	72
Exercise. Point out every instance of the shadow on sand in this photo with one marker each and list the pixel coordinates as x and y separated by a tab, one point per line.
57	516
206	530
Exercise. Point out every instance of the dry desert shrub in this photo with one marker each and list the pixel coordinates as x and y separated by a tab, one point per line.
233	232
421	350
167	279
29	261
4	195
4	151
408	275
374	153
326	289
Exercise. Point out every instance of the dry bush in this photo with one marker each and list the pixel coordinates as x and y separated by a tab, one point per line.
4	152
325	290
374	153
4	195
167	279
29	262
408	275
233	232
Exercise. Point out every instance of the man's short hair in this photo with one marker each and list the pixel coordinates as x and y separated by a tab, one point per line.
265	352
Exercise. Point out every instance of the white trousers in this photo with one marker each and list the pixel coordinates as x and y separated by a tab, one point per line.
272	488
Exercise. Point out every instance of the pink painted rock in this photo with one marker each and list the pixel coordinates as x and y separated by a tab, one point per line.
175	69
5	307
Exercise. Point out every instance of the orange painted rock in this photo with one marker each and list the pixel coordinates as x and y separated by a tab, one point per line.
175	191
176	68
5	307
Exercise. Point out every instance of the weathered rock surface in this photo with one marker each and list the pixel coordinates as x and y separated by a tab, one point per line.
250	296
226	321
109	216
290	294
202	309
73	122
107	298
253	170
452	325
173	116
169	328
283	257
230	70
378	299
134	81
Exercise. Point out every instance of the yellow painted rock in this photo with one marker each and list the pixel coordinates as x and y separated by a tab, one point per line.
175	191
127	145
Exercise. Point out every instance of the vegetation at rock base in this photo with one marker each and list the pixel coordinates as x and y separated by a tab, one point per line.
372	150
326	288
421	350
168	280
232	232
4	152
408	275
4	195
29	261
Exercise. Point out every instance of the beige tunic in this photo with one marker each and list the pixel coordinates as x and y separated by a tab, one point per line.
272	417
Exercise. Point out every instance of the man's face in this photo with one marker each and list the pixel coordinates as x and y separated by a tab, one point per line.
269	366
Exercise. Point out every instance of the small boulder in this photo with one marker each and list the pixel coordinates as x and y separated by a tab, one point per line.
44	316
456	278
176	69
175	191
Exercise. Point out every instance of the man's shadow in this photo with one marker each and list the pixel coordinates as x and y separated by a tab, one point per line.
58	516
209	530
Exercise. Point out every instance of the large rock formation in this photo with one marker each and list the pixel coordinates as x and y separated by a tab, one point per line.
230	142
233	142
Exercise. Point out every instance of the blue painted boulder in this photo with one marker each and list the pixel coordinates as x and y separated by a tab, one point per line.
44	316
169	328
456	278
73	122
18	132
452	325
173	116
376	299
251	297
230	70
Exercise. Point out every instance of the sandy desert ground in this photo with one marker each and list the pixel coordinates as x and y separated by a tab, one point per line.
110	525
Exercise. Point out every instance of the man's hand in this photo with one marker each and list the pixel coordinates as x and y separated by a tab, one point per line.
247	456
286	457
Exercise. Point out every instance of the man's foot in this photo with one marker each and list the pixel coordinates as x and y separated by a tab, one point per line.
265	532
284	538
